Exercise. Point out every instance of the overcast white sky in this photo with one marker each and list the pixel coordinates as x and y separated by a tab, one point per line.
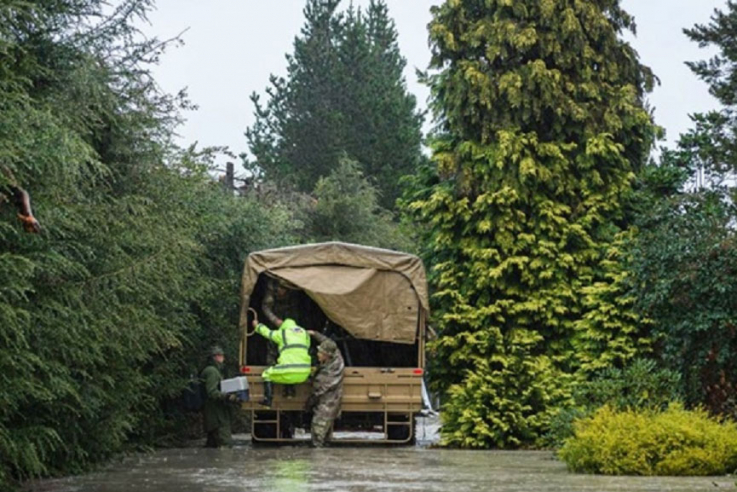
232	46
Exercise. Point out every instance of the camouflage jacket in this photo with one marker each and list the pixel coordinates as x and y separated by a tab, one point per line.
327	386
286	306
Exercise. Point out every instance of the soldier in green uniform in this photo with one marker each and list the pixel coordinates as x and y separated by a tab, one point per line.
327	389
217	411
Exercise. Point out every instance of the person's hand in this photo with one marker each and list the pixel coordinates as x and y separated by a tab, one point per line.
311	332
30	224
233	398
254	323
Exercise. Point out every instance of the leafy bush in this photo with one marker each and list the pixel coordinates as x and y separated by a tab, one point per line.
505	403
639	386
647	442
684	273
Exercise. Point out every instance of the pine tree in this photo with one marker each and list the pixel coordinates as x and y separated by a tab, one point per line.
542	128
297	135
344	94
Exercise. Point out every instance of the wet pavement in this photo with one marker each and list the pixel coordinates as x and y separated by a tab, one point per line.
372	468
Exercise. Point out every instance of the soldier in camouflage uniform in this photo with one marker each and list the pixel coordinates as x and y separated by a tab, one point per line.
278	298
327	389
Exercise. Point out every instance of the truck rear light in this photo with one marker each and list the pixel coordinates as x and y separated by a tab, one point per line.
418	371
245	369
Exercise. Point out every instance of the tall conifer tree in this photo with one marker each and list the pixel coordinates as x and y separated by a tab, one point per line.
542	128
344	93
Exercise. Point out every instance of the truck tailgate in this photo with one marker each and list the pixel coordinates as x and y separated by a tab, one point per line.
364	389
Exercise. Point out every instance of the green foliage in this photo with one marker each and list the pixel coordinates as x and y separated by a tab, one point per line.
347	209
611	332
505	402
684	270
104	314
344	93
711	146
541	131
641	385
672	442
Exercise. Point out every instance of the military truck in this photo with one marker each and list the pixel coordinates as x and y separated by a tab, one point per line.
374	303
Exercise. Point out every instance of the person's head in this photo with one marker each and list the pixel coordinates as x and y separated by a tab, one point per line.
281	291
278	288
217	354
326	350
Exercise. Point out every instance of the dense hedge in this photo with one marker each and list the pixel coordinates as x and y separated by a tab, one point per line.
672	442
106	312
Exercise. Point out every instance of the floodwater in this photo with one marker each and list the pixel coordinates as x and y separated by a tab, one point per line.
368	468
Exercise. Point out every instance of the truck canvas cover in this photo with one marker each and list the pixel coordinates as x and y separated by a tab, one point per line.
374	294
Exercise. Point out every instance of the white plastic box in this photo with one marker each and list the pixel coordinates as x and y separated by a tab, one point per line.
238	385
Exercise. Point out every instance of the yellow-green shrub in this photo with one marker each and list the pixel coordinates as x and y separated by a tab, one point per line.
672	442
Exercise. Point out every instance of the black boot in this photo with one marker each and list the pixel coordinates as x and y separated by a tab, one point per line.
289	391
267	394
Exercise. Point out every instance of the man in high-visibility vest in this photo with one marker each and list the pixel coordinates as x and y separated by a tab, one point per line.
294	364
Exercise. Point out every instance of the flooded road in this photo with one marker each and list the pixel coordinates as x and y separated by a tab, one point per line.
357	469
299	468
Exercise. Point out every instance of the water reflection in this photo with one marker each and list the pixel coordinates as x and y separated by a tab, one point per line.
288	476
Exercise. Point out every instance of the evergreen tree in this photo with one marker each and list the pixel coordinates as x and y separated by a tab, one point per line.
297	136
344	94
347	209
102	314
711	146
683	260
542	128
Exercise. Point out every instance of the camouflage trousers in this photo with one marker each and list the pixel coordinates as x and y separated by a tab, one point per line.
323	416
319	431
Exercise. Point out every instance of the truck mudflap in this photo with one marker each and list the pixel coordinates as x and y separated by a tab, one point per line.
378	406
